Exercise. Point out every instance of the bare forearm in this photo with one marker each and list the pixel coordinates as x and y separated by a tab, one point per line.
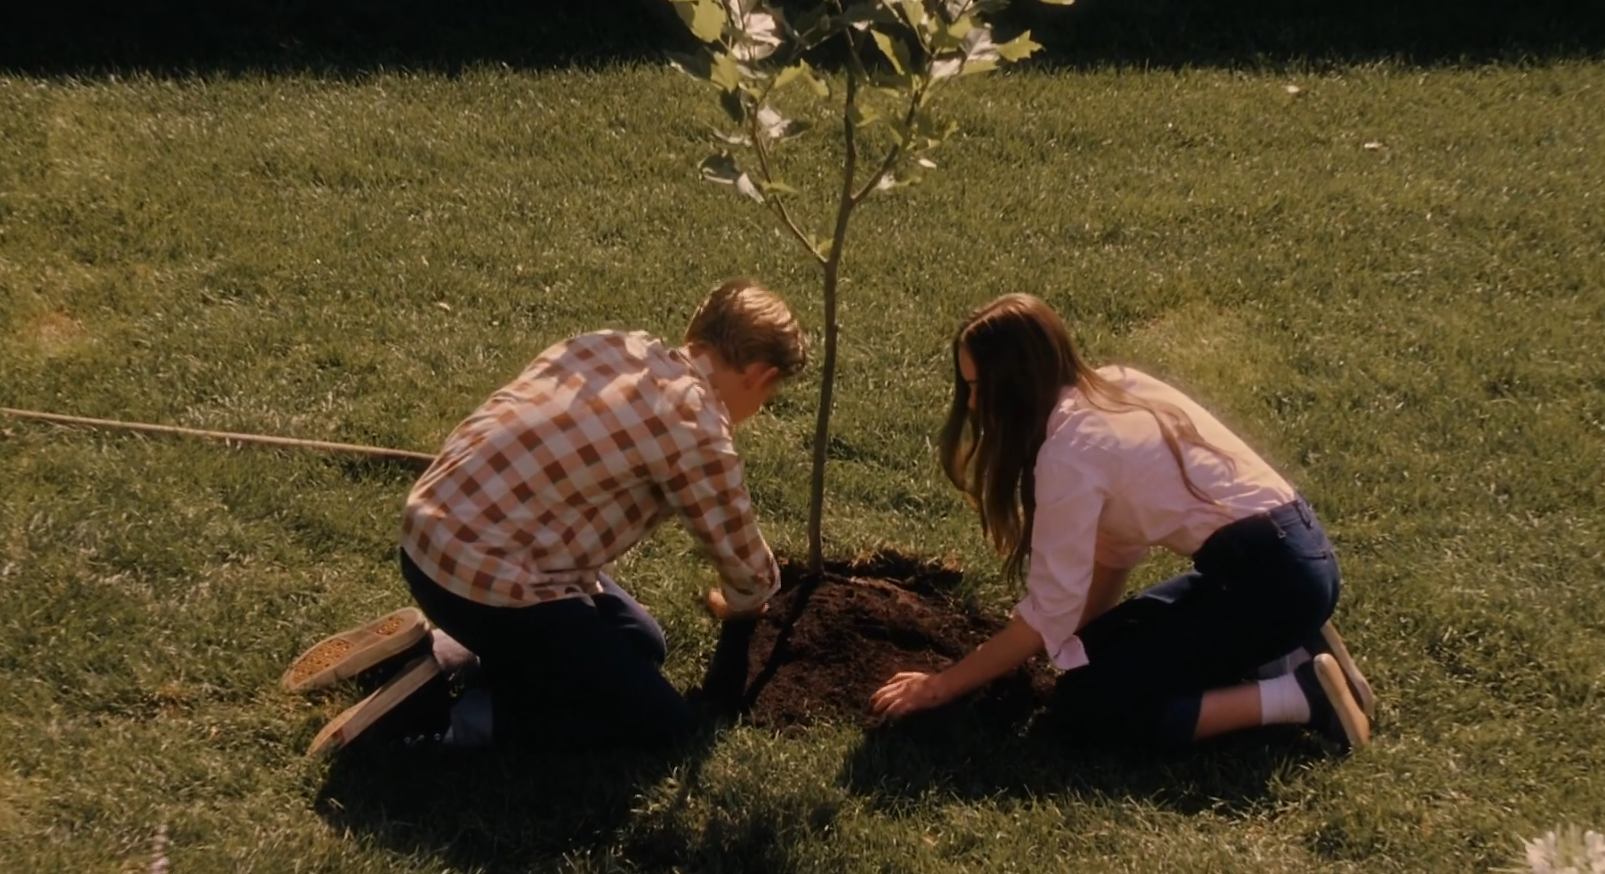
1002	653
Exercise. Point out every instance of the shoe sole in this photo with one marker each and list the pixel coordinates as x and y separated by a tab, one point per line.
1361	687
361	716
349	653
1356	726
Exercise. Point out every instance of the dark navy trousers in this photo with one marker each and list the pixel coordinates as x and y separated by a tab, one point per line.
565	672
1260	588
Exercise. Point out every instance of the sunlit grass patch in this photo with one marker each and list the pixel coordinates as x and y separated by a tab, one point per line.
1407	329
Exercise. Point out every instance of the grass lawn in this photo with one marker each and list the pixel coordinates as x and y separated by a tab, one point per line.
1392	282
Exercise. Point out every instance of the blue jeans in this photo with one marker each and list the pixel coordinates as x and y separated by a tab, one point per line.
565	673
1260	588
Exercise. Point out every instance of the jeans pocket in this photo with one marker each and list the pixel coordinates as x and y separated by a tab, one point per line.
1303	537
1311	547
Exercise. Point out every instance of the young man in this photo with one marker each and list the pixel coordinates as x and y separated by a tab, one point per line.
598	441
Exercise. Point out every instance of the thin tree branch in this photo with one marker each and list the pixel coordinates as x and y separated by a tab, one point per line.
914	105
896	151
775	202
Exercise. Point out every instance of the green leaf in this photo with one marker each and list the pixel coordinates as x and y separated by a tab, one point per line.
862	15
861	116
698	66
775	126
892	182
895	51
899	129
976	53
1019	48
757	33
931	129
776	187
914	11
720	168
723	169
789	74
813	25
815	81
960	29
726	74
745	185
804	71
705	18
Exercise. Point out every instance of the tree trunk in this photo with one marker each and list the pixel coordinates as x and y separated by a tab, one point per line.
827	384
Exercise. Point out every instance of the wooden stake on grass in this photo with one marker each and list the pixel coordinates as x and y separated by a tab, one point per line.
419	460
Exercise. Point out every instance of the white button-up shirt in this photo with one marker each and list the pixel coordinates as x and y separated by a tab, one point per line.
1108	489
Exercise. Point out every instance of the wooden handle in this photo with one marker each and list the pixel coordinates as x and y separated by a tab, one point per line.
419	460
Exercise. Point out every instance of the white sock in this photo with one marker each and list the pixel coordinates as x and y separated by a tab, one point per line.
1283	665
1281	699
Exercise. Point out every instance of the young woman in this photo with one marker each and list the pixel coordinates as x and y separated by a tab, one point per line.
1076	474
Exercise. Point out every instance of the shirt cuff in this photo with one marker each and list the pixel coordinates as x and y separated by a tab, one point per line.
1065	651
744	602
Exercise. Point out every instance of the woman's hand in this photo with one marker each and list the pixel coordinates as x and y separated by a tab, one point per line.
908	692
1000	654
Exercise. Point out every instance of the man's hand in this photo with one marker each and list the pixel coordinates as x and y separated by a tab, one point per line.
908	692
721	609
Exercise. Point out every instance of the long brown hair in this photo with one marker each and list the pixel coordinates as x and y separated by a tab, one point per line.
1024	359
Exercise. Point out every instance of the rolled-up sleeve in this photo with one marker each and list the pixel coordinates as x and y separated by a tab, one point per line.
1064	537
704	482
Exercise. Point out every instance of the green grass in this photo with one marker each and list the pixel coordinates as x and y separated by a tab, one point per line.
1409	329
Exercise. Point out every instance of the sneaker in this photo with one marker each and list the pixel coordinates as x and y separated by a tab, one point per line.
1329	641
432	717
1333	710
349	653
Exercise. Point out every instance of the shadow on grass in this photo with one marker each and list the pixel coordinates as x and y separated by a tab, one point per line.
958	751
343	37
511	810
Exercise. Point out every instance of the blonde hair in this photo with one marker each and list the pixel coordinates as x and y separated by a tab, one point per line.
745	324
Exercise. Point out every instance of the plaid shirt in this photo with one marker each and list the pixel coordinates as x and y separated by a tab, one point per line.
596	443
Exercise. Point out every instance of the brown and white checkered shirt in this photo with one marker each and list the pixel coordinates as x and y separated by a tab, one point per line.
598	441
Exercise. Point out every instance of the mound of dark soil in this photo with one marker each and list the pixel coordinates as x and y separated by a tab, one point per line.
827	644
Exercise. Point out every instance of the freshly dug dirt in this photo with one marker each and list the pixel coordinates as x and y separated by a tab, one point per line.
821	650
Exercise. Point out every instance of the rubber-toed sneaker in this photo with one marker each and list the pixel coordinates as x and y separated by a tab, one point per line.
1333	710
1329	641
349	653
388	701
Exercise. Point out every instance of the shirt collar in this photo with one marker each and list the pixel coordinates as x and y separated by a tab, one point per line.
702	364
